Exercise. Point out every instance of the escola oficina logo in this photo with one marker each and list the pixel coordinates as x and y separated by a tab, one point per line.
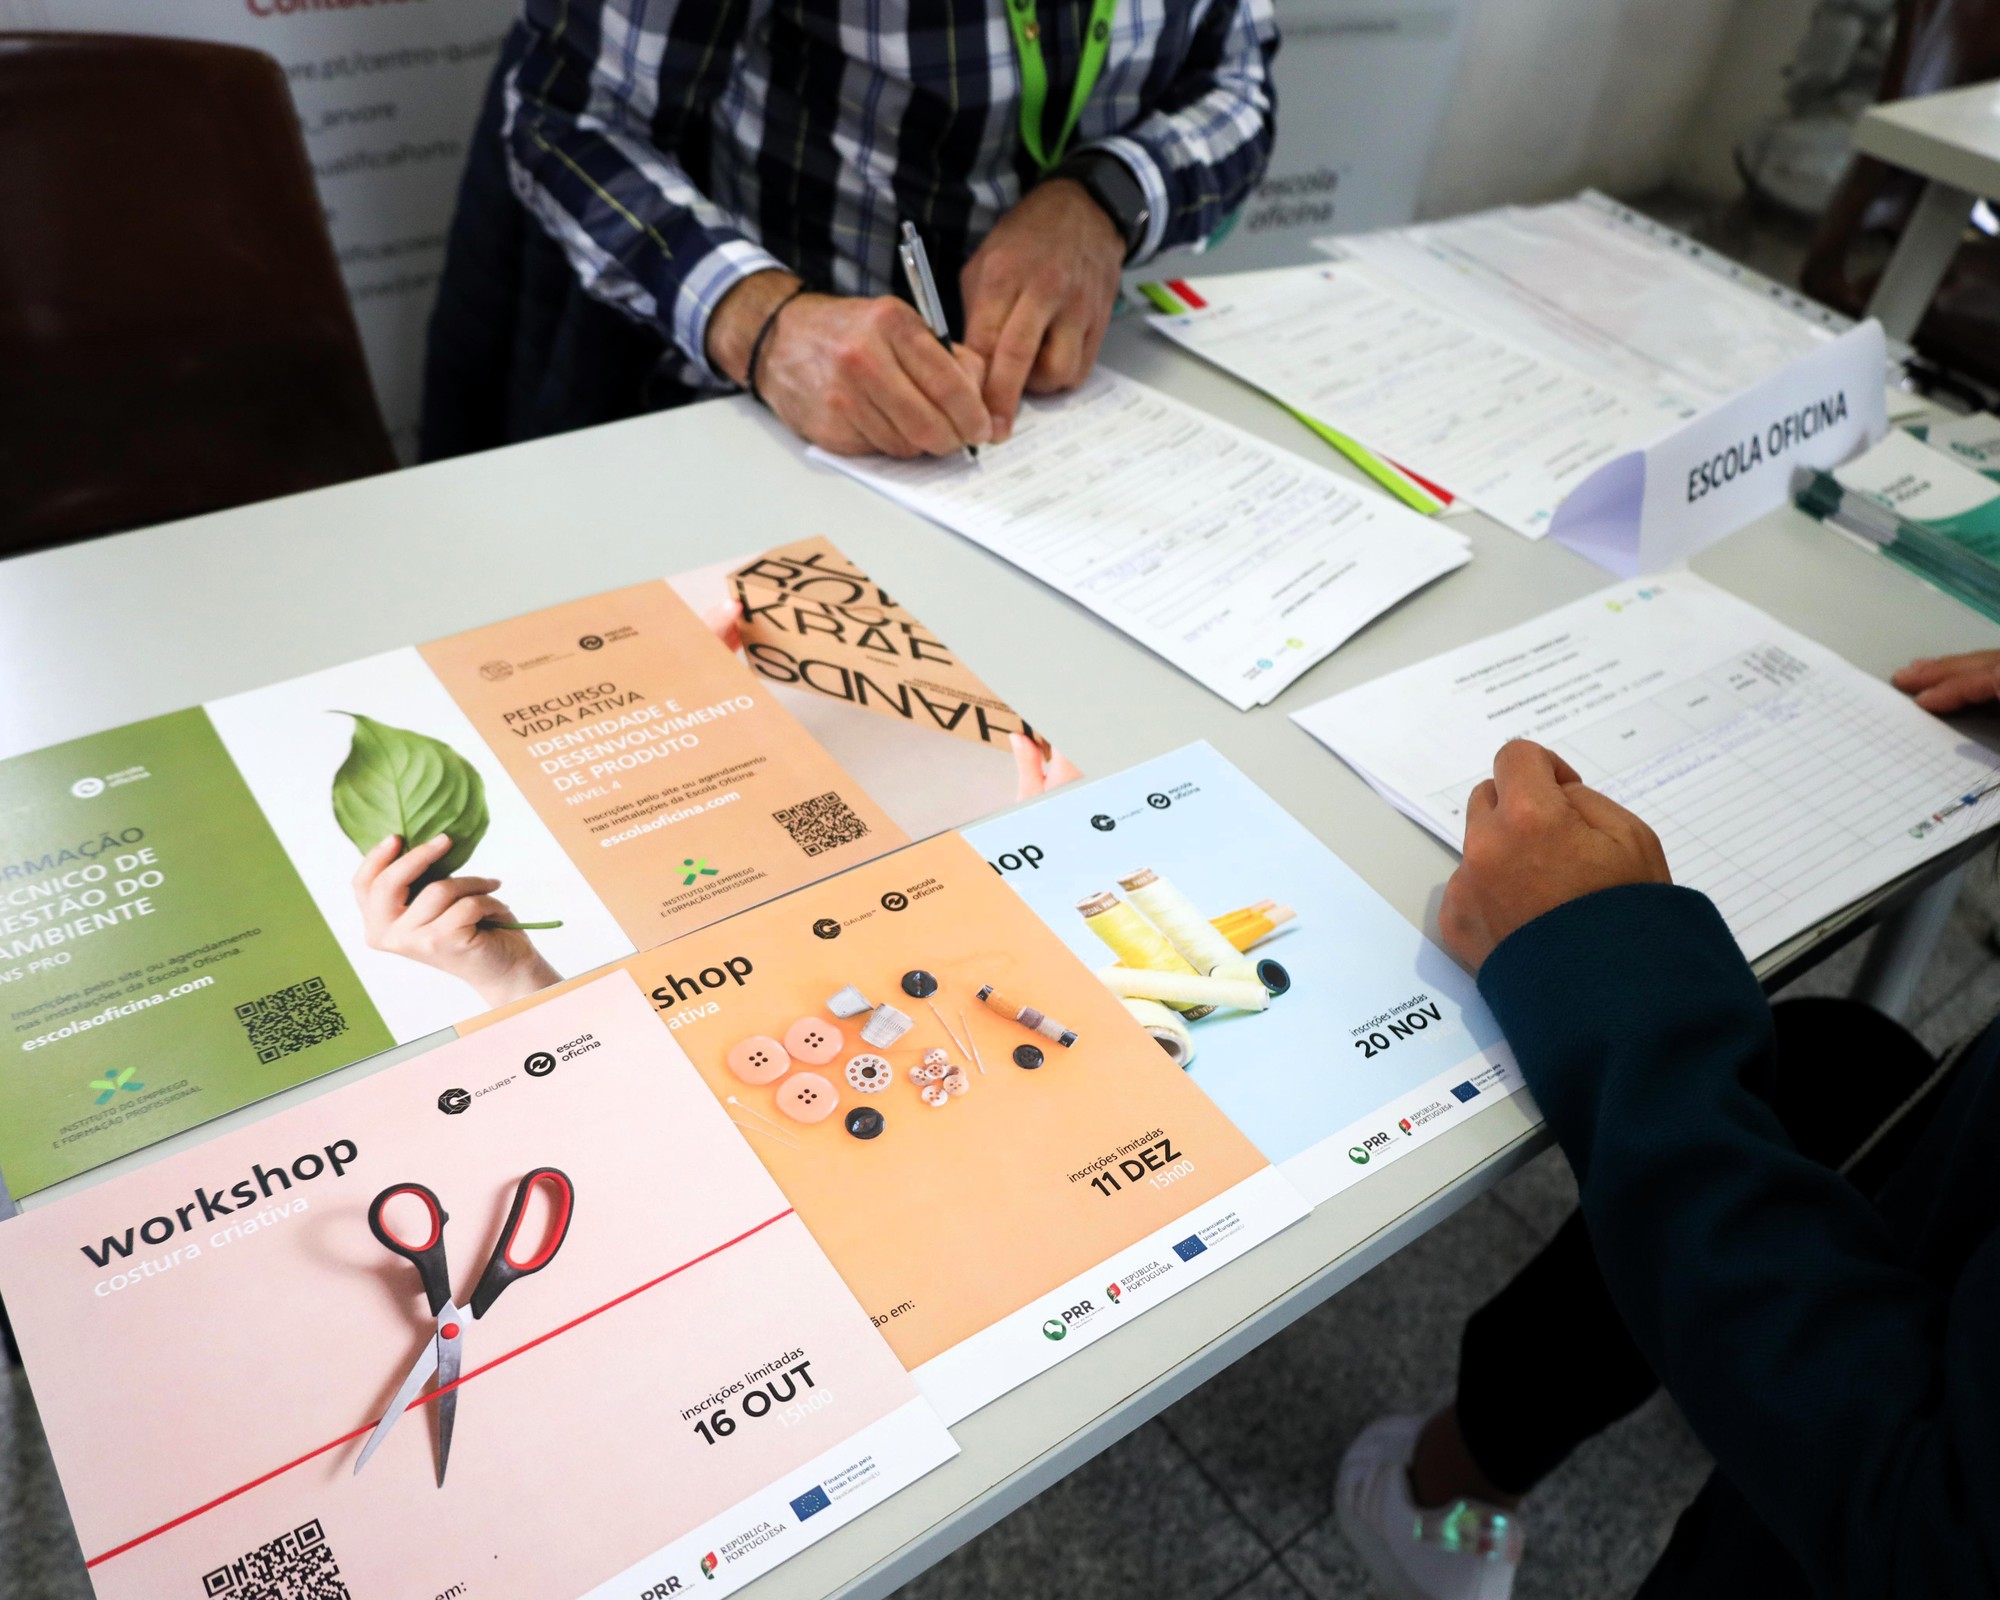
121	1079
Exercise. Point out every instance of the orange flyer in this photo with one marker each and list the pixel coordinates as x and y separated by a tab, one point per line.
671	779
999	1180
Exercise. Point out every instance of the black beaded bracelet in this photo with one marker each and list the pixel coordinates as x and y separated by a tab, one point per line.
763	336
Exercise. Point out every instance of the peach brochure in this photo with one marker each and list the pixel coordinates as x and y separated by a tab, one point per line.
203	908
521	1318
1000	1162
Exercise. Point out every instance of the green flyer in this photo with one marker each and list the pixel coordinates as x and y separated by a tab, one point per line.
160	960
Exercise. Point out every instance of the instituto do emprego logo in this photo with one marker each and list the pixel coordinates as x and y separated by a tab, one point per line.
1358	1156
1054	1329
87	788
111	1083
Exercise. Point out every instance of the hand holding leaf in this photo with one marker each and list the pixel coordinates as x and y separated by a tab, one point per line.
407	785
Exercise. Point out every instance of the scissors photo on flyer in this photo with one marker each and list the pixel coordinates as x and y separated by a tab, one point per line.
443	1355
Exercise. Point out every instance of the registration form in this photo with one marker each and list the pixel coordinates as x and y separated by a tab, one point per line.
1588	283
1237	561
1492	420
1782	781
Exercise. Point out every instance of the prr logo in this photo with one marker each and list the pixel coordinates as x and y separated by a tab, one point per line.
453	1101
1158	801
494	671
1054	1330
827	928
1102	823
87	788
895	900
539	1065
591	641
1358	1156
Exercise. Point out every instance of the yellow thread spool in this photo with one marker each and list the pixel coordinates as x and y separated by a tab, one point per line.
1174	915
1132	939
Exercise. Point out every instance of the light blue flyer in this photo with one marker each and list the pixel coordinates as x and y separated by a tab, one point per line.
1327	1028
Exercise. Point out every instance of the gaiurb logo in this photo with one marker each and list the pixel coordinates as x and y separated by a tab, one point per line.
453	1101
827	928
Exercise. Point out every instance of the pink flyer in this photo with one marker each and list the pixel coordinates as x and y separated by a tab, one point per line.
522	1317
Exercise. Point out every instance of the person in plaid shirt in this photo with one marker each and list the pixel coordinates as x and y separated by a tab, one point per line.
732	176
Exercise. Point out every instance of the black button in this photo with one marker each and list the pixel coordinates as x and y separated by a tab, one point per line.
1028	1056
864	1122
919	984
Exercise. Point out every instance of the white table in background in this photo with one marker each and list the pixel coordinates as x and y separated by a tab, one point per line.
1952	139
121	628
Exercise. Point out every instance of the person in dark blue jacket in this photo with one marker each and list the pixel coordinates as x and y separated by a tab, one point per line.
1789	1217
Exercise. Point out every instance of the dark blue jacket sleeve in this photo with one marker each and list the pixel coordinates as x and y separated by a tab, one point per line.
1852	1400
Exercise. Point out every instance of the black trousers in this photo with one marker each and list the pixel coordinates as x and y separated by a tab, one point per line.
1547	1363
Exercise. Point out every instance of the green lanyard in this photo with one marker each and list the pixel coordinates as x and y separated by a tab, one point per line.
1035	73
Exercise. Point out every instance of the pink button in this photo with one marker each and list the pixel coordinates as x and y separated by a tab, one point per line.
813	1041
807	1097
758	1059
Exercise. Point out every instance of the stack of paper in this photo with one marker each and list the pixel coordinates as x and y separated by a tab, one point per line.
1502	356
1590	284
1239	562
1783	782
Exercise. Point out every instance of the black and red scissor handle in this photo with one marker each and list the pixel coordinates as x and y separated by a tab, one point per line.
427	1254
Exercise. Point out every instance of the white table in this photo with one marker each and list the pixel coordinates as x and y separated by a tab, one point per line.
126	627
1952	139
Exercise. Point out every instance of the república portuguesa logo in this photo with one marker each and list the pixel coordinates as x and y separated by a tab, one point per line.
708	1565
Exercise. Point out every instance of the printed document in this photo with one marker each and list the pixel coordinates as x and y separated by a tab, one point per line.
1577	283
1239	562
1491	420
1782	781
1359	1039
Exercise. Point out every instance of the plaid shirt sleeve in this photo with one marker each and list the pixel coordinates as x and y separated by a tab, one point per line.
593	113
1199	153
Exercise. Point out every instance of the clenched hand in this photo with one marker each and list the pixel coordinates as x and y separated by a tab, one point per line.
1535	838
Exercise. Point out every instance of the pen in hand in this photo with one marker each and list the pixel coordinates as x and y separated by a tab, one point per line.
923	291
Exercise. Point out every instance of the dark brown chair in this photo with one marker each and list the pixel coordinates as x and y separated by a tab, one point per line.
174	336
1939	44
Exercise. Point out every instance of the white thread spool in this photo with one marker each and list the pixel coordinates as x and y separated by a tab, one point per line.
1167	1028
1186	928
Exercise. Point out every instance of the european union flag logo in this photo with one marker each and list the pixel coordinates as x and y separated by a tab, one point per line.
1190	1247
1465	1090
811	1503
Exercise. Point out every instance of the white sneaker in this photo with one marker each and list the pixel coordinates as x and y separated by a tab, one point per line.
1467	1550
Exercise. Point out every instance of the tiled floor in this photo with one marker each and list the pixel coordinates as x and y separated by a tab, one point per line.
1226	1493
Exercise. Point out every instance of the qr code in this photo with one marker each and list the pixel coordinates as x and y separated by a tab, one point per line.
822	823
294	1566
289	1020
